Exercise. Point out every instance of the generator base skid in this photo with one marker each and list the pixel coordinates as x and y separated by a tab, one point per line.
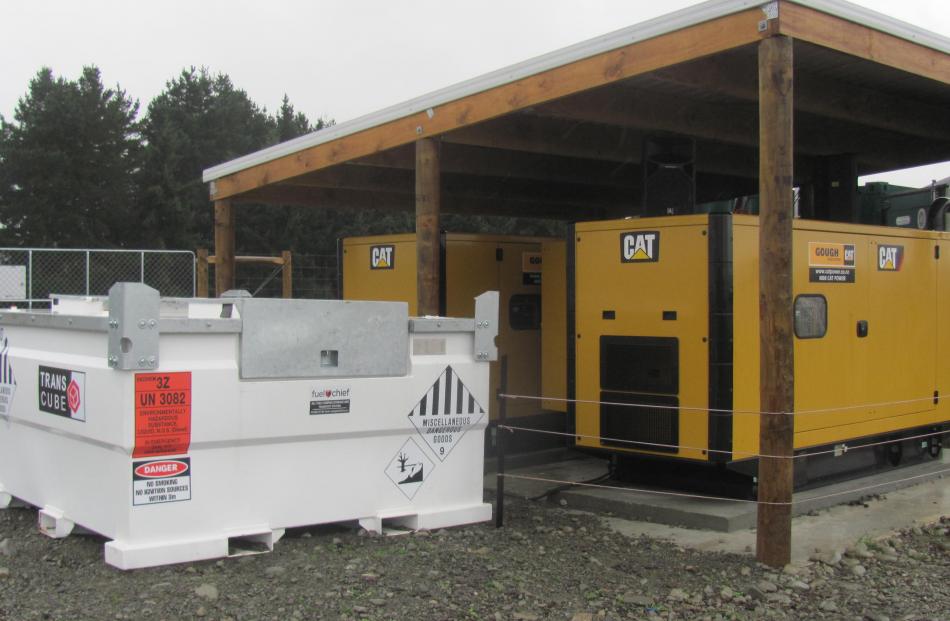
179	428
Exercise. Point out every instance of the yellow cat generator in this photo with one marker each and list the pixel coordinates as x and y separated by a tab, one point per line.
664	359
384	268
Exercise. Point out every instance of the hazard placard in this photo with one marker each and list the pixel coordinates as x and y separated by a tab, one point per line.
162	414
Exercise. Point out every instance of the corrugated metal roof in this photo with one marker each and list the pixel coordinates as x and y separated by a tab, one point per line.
690	16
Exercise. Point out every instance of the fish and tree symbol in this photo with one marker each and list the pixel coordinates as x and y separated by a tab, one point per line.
409	468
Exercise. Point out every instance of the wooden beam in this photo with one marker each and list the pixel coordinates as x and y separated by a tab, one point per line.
201	273
807	24
594	141
223	246
644	111
640	57
428	231
734	75
484	161
326	198
776	373
287	274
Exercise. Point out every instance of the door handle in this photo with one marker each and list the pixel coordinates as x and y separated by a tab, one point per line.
862	329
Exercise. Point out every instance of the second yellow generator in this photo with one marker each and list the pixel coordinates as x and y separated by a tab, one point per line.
666	319
384	268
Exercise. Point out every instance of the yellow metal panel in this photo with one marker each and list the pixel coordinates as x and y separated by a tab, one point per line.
364	279
554	324
638	293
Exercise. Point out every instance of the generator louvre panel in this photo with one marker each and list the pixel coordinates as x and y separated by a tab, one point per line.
642	370
640	426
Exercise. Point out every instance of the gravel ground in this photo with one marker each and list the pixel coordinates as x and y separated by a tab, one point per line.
547	563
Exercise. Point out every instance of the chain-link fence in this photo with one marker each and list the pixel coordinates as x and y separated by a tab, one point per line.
29	275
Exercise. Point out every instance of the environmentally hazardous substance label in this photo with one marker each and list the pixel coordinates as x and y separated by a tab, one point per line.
890	258
640	247
7	381
531	268
329	401
162	413
831	263
445	413
161	480
409	468
61	392
382	257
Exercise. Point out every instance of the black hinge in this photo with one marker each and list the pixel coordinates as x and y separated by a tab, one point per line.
499	254
936	252
936	397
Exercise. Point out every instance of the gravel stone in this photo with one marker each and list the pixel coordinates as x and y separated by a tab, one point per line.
475	572
207	591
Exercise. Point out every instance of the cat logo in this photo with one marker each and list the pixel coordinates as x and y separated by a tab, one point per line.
640	247
890	258
382	257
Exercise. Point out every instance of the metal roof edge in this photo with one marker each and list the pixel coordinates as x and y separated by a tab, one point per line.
879	21
649	29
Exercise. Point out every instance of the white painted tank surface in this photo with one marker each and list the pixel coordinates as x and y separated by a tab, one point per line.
173	426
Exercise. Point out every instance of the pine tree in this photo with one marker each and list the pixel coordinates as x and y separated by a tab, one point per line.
66	164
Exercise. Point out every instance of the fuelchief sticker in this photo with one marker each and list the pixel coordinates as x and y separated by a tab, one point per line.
162	413
7	381
531	268
61	392
831	263
161	480
334	400
445	413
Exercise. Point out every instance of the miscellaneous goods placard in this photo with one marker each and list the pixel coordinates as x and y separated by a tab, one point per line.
61	392
445	413
162	413
157	481
831	262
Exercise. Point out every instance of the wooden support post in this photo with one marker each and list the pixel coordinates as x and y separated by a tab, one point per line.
201	273
428	199
287	274
223	246
776	375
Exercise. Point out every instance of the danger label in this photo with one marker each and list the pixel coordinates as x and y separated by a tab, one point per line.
445	413
162	413
161	480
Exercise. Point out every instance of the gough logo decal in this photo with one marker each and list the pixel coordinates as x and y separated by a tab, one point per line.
640	247
890	258
382	257
162	469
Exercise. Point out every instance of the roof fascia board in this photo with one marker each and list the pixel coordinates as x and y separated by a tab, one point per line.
878	21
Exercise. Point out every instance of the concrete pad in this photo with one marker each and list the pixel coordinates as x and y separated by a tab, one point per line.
915	493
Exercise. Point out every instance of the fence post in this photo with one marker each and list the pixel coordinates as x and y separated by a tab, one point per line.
287	274
87	272
29	280
500	442
142	267
201	273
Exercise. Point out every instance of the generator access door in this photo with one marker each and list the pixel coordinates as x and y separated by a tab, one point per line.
641	325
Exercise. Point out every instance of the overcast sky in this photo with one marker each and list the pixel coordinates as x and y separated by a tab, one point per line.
335	58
